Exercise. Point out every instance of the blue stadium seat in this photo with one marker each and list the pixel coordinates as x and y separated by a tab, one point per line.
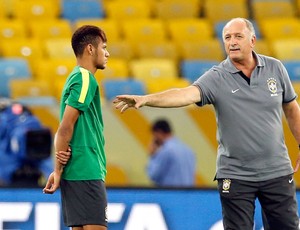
81	9
218	27
12	68
192	70
293	68
116	87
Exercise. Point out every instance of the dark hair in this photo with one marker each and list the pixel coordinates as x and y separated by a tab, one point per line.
85	35
161	125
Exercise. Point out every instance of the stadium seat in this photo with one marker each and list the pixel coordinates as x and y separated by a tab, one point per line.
163	49
120	49
35	10
129	9
296	85
286	49
12	29
280	28
218	29
293	68
116	68
143	30
222	10
189	29
27	88
46	29
74	10
192	70
27	48
270	9
52	68
169	9
263	47
111	27
158	85
156	68
12	68
58	48
114	87
211	49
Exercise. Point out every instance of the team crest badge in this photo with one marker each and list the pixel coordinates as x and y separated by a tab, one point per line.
226	185
272	86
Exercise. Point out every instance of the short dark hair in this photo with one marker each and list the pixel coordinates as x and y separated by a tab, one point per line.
85	35
161	125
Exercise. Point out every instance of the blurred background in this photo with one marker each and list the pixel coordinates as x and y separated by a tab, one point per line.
153	45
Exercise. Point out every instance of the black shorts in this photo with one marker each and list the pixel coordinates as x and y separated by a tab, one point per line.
84	202
276	196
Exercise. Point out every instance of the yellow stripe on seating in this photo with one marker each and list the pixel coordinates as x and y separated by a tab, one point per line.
137	124
205	119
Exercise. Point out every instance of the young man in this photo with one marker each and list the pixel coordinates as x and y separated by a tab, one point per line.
83	193
248	92
171	163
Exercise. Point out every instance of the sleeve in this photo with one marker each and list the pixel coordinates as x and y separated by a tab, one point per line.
81	91
208	84
157	164
289	93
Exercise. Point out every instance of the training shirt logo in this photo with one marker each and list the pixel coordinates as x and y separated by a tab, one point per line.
226	185
272	86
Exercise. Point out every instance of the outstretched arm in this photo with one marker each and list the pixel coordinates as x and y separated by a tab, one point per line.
292	114
172	98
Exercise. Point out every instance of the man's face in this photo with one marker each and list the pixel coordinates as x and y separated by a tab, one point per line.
101	56
238	40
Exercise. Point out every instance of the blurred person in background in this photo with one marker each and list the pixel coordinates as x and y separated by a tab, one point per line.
172	162
25	147
249	92
81	179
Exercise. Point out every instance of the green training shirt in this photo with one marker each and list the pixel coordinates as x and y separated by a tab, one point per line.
88	161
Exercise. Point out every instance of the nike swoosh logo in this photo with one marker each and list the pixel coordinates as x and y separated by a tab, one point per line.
234	91
291	180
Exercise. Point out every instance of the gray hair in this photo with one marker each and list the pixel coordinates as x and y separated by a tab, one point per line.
249	25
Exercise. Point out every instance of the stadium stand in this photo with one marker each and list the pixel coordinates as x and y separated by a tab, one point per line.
12	68
73	10
293	68
12	29
114	87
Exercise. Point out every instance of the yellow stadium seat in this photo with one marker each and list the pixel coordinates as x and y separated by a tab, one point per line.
286	49
27	48
50	70
270	9
116	176
190	29
115	68
158	85
169	9
223	10
58	48
209	50
278	28
120	49
263	47
35	10
163	49
144	30
54	28
153	68
21	88
12	29
111	27
129	9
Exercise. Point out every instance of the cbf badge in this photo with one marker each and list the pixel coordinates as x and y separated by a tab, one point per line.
226	185
272	86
